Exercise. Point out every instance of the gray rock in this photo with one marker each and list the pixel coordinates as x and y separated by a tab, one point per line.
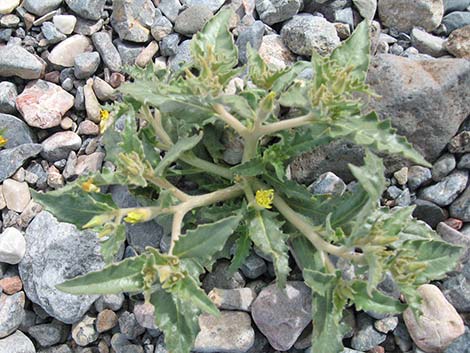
17	61
443	166
327	183
366	337
17	343
183	55
11	313
63	348
275	11
41	7
253	266
48	334
453	236
456	5
170	8
289	309
13	158
418	176
460	345
456	20
86	65
213	5
89	9
387	324
253	35
121	345
161	28
366	8
429	212
145	315
59	145
57	252
403	15
460	143
51	33
107	50
464	162
88	27
458	43
427	43
16	131
305	33
192	19
230	332
8	95
64	23
132	19
84	331
128	51
220	277
457	292
129	326
169	44
447	190
109	301
460	208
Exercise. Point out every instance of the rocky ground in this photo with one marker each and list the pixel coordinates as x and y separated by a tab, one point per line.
59	60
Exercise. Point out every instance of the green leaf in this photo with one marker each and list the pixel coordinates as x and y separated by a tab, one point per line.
265	232
124	276
206	240
253	167
305	254
175	152
438	256
376	302
296	96
73	205
177	320
188	291
110	247
355	51
238	105
380	135
242	250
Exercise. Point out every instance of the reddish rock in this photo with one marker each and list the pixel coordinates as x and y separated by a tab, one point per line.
42	104
11	285
454	223
106	320
377	349
458	43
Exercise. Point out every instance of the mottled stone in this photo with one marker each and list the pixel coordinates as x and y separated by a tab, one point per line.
17	343
89	9
427	43
106	320
11	313
183	55
145	315
220	277
84	332
129	326
460	208
132	19
65	52
41	7
443	166
417	176
366	337
92	106
8	94
275	11
275	53
48	334
446	191
366	8
86	65
170	8
17	61
458	43
107	50
16	131
327	183
11	285
192	19
213	5
59	145
253	35
42	104
456	20
51	33
233	299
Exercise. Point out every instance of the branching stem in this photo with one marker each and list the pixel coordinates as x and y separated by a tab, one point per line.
230	120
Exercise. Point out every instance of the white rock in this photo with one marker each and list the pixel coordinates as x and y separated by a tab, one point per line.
65	52
3	204
64	23
275	53
16	194
367	8
427	43
7	6
92	105
12	246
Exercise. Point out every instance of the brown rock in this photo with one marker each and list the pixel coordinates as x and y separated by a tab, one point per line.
42	104
89	163
106	320
439	324
458	43
275	53
88	127
11	285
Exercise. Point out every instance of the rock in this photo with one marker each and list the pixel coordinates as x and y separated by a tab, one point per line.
87	27
429	212
366	337
88	127
11	285
51	33
161	28
233	299
110	301
89	9
253	266
220	277
128	51
86	65
57	252
17	61
213	5
17	343
366	8
464	162
305	33
48	334
169	44
275	53
456	20
170	8
16	131
427	43
403	15
447	190
92	106
275	11
439	324
129	326
455	237
16	194
415	114
386	325
106	320
65	52
63	348
120	344
460	345
107	50
7	6
455	5
458	43
460	208
443	166
41	7
84	332
327	183
417	176
230	332
8	95
253	34
460	143
64	23
456	289
13	158
42	104
59	145
132	19
103	90
289	309
192	19
145	315
183	55
11	313
149	52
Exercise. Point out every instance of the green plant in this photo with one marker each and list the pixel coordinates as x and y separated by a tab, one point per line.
185	114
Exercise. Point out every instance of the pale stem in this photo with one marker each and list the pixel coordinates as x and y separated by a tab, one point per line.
165	184
230	120
176	228
285	124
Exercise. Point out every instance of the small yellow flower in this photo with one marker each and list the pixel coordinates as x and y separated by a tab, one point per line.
3	141
88	186
104	122
138	216
265	198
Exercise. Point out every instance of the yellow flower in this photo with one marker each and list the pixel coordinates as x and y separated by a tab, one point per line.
3	141
265	198
88	186
138	216
104	122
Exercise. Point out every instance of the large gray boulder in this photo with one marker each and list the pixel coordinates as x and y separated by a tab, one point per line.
56	252
16	131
